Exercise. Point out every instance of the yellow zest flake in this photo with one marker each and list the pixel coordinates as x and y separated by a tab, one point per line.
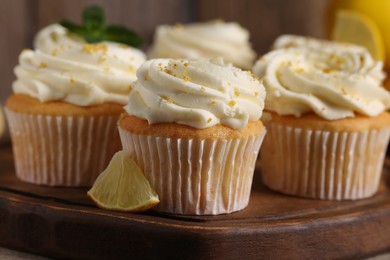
232	103
338	60
62	47
209	120
344	91
203	89
170	101
299	70
186	78
341	61
236	92
250	74
146	77
175	66
178	26
102	59
256	93
123	46
42	65
131	70
328	70
54	37
168	71
72	81
186	65
92	48
54	52
213	103
297	54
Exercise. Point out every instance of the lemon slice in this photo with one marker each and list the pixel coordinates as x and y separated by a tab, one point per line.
123	187
354	27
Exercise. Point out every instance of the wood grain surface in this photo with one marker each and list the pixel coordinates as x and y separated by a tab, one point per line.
64	223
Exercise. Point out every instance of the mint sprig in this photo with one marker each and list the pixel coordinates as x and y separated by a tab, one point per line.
94	30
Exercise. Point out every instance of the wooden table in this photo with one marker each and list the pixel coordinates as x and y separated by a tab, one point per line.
63	222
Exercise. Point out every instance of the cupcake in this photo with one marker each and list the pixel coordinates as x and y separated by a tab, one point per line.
67	99
327	125
193	128
204	41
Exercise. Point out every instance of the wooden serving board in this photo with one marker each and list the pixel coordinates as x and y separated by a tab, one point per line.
64	223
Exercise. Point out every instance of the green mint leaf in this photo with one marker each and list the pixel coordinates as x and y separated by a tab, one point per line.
93	18
94	30
117	33
93	36
74	28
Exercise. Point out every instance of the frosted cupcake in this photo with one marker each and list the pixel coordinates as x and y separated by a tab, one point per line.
67	99
327	125
204	41
193	128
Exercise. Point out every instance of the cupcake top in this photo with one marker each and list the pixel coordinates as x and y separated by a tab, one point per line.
199	94
333	80
64	67
204	41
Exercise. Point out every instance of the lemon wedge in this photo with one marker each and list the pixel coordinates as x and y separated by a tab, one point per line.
122	186
357	28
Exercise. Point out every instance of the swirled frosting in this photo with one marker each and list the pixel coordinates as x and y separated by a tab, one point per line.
204	41
200	94
334	80
64	67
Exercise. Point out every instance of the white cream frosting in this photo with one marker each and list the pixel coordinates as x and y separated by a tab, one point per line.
64	67
204	41
196	93
333	80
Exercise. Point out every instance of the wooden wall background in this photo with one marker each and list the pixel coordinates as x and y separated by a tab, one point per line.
265	19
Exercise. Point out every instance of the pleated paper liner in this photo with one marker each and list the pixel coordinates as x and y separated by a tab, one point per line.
322	164
197	177
62	150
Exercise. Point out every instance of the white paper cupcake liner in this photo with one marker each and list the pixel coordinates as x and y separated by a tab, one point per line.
196	177
62	150
321	164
